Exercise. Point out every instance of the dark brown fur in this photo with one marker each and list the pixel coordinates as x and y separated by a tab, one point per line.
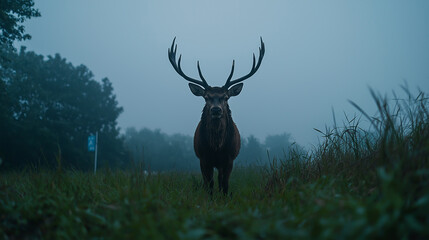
216	144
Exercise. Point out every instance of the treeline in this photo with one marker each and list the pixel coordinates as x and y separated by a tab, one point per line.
157	151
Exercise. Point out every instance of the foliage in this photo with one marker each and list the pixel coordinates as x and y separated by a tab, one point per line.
12	14
358	184
398	138
51	107
387	165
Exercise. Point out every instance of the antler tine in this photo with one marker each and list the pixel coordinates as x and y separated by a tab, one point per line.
201	74
232	72
172	51
229	83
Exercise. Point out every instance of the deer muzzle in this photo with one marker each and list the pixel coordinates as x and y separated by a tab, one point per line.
216	112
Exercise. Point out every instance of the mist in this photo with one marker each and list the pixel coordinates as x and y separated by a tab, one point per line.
318	55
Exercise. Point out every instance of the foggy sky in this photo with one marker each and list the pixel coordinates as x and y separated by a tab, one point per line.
318	55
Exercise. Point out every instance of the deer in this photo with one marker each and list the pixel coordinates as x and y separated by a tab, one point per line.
216	139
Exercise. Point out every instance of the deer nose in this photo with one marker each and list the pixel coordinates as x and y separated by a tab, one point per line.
216	110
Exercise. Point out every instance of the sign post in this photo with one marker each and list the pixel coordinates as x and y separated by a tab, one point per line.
93	146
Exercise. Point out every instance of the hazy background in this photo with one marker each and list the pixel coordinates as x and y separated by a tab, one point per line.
318	55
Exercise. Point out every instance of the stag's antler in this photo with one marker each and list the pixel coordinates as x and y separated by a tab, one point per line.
172	56
229	83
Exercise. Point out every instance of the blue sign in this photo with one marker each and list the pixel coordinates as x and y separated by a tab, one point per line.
91	143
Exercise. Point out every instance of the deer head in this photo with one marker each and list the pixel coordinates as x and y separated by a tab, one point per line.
216	97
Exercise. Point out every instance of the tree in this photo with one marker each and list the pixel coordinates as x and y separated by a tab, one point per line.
12	14
53	107
278	145
158	151
281	146
252	152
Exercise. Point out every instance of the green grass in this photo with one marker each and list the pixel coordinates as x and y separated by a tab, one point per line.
357	184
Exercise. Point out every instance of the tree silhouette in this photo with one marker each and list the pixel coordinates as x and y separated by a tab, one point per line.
53	106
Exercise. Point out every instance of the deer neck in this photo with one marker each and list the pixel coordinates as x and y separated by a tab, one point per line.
216	130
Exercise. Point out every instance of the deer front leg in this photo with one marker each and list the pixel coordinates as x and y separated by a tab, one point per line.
207	172
225	178
220	178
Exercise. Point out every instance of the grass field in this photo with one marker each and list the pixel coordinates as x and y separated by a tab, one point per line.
357	184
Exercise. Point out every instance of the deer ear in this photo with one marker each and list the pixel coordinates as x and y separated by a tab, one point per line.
196	90
235	90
